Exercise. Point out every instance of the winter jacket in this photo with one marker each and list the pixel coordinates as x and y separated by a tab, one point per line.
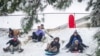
79	47
56	44
73	38
38	32
13	43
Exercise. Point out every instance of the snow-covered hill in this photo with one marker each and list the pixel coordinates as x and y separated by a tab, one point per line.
37	49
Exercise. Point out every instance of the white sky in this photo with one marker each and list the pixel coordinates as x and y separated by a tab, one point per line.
51	20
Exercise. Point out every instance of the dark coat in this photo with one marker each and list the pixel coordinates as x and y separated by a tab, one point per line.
77	37
56	44
79	47
13	43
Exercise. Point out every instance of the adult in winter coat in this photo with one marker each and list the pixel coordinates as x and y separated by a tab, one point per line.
76	47
54	46
38	34
14	45
74	37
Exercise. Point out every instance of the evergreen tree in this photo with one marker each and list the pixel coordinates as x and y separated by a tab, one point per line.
31	8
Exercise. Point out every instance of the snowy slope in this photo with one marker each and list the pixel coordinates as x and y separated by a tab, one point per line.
37	49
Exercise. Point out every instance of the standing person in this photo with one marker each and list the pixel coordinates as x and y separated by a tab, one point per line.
14	45
54	46
10	35
74	37
46	32
76	47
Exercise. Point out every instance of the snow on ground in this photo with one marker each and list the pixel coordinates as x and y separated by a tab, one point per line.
37	49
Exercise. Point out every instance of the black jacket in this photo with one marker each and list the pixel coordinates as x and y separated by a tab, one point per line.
56	44
79	47
14	43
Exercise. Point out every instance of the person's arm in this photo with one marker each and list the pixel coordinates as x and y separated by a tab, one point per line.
49	34
8	42
59	46
80	39
71	39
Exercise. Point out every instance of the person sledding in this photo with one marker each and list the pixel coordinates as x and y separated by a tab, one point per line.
76	47
73	38
54	46
14	45
38	35
11	34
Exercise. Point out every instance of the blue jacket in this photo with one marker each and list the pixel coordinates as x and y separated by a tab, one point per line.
38	32
73	38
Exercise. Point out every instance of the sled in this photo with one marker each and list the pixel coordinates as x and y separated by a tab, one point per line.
50	53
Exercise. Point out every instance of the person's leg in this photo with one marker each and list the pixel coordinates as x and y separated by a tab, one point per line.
68	45
81	49
12	49
19	48
7	49
48	47
34	36
71	49
40	37
54	49
84	45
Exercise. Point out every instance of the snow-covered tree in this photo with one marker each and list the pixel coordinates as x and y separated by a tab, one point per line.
32	7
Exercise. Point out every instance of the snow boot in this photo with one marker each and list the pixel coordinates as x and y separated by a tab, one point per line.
5	50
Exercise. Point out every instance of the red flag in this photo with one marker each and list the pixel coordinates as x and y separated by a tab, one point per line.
72	23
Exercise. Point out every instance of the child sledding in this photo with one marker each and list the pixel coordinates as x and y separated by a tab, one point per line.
54	47
14	45
38	35
75	43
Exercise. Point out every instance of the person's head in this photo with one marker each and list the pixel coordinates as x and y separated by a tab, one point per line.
42	26
10	29
38	27
56	39
76	42
75	33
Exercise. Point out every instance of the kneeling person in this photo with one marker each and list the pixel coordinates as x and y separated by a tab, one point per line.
14	45
54	46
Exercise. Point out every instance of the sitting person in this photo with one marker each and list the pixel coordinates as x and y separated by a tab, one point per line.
74	37
14	45
38	34
54	46
10	35
76	47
